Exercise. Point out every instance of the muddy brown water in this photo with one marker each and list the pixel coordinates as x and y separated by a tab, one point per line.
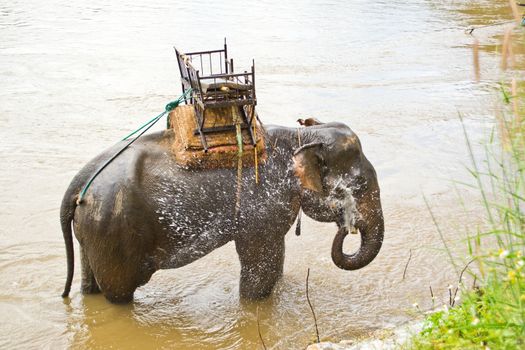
75	77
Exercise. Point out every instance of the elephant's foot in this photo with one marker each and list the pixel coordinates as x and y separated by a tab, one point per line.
261	267
91	288
119	298
119	288
117	291
248	290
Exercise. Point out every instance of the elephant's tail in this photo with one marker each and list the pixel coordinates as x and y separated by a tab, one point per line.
67	211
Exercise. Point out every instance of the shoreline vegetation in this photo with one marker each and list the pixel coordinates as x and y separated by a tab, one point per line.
489	311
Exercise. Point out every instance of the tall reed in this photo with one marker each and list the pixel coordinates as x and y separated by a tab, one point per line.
491	314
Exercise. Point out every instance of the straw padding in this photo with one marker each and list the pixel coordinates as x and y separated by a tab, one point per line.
222	147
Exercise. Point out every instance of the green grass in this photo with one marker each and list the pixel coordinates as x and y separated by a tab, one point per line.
491	314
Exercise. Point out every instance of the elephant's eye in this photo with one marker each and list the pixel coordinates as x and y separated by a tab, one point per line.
324	175
324	170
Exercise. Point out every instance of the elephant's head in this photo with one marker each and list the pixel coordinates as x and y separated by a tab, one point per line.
340	185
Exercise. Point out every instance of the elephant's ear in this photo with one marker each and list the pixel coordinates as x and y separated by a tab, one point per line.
308	162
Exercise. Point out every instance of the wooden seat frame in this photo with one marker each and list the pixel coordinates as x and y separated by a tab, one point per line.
215	70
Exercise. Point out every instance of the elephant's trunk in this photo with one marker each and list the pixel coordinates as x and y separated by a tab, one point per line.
371	226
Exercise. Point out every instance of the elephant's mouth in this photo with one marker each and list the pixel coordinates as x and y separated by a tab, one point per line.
341	199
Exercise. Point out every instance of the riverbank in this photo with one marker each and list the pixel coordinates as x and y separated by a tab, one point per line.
386	339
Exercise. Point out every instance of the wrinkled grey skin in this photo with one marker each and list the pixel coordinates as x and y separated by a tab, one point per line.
144	212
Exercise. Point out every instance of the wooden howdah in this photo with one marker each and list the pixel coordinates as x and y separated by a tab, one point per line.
222	146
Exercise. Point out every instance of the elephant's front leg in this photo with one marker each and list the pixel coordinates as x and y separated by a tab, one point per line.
261	265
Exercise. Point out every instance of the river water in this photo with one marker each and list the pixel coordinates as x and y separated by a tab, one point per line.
76	76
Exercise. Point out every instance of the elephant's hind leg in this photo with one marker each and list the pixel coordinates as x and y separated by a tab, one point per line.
118	281
118	288
88	284
261	266
119	295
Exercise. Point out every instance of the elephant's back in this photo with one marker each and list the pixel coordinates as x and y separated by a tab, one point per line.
113	191
124	164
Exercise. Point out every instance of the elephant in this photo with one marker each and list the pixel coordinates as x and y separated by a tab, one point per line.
144	212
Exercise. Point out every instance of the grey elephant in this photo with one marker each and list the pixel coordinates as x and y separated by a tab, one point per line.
144	212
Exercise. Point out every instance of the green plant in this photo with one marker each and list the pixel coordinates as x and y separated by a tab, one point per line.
492	314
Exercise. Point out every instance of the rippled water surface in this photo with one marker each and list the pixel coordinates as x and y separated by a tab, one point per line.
76	76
